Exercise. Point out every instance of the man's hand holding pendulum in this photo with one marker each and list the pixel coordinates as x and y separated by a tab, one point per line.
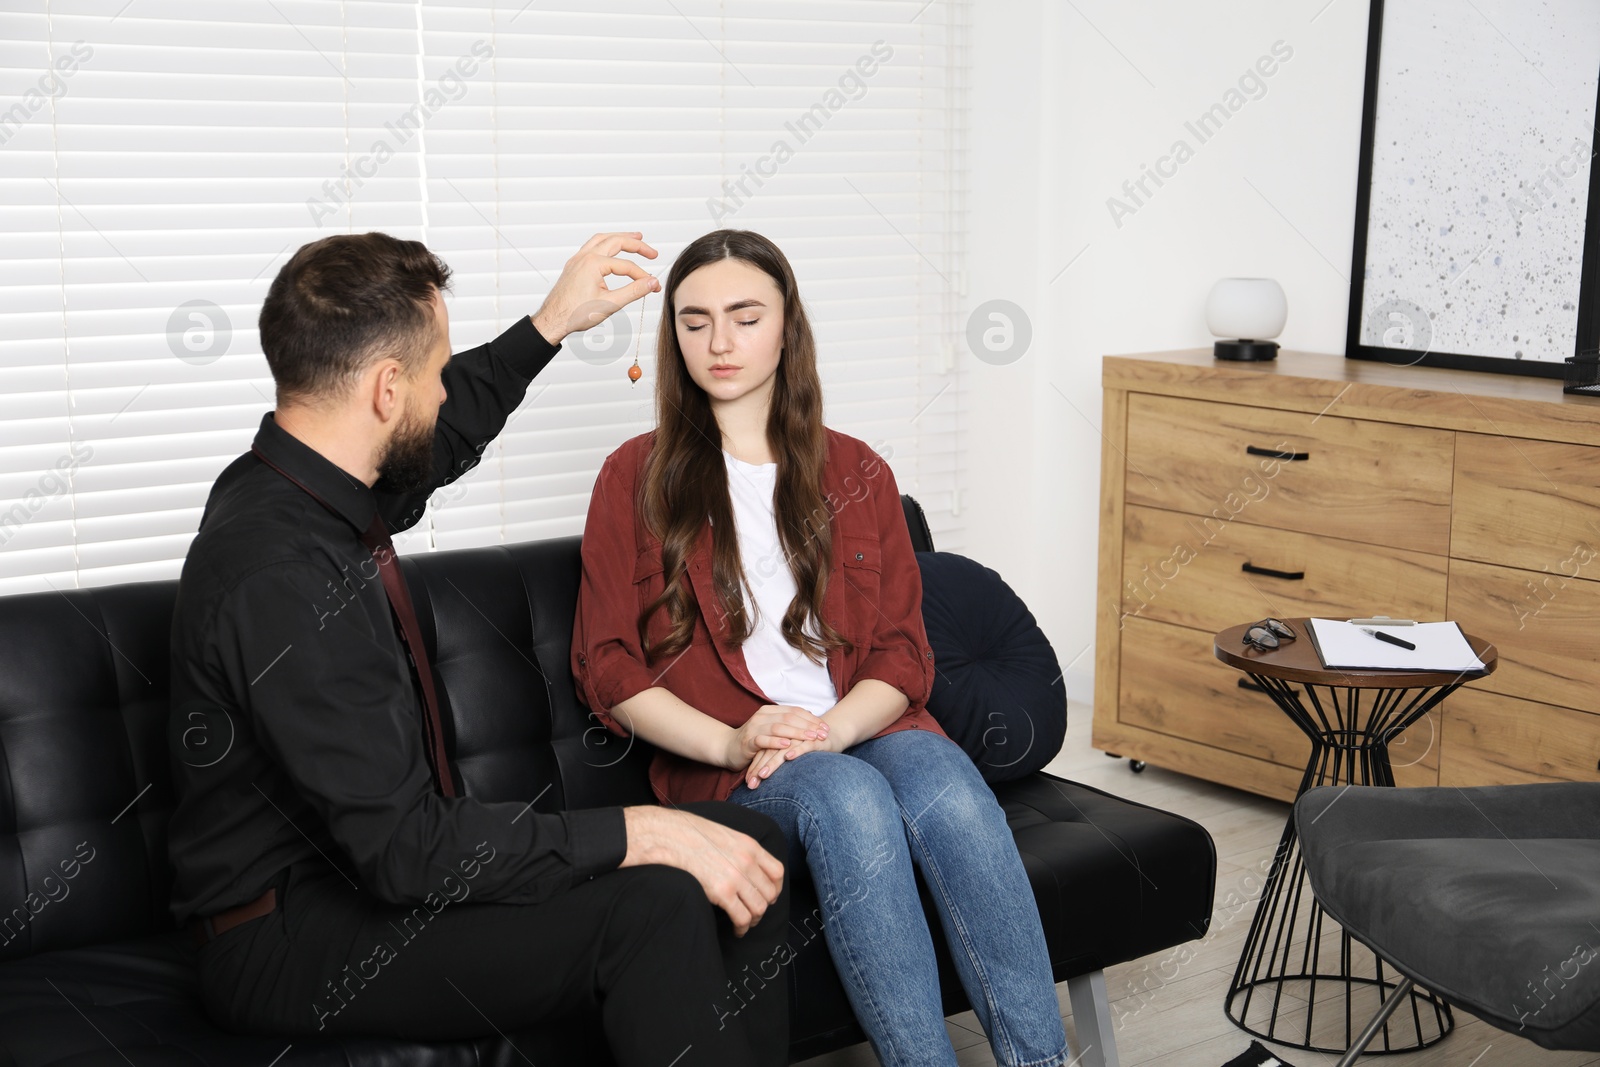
581	299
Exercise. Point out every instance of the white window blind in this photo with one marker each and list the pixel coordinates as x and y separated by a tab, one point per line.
182	150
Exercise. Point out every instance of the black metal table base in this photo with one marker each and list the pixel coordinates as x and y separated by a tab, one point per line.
1295	957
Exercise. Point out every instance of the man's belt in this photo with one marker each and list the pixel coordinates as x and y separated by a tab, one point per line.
203	929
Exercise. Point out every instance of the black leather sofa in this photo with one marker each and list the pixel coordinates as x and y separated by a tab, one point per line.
93	972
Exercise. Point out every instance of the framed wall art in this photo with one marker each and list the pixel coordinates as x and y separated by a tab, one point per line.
1477	238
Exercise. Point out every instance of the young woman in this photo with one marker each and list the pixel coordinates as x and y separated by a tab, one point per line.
750	604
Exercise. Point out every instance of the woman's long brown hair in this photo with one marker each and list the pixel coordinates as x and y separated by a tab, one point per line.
685	479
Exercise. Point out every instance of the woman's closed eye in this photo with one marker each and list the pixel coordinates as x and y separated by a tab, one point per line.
702	326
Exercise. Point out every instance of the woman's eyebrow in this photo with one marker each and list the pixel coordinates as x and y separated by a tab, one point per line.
737	305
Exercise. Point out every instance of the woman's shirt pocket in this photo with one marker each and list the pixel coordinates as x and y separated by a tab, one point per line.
860	577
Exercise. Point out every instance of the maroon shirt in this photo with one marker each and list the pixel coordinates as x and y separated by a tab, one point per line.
873	598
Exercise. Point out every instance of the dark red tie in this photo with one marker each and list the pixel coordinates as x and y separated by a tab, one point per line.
394	583
376	538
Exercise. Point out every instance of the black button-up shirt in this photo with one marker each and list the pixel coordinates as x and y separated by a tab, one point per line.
296	728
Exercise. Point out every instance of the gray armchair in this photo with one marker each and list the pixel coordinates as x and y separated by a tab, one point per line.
1489	897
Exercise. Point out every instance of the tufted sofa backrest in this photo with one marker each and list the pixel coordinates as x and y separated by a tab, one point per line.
85	790
498	625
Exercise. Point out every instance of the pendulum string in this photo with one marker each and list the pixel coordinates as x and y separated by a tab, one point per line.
634	372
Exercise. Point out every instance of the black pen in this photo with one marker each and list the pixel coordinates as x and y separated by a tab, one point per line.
1381	636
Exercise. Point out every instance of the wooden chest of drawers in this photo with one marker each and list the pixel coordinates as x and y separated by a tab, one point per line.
1319	486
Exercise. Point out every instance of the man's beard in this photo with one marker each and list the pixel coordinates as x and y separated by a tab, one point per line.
406	463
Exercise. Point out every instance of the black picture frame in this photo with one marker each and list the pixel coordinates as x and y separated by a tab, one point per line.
1587	337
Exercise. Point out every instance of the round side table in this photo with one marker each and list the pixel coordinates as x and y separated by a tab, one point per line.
1287	962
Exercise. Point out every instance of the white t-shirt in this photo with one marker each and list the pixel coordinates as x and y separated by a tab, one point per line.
782	671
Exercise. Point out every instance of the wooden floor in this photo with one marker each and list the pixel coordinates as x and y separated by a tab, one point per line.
1168	1007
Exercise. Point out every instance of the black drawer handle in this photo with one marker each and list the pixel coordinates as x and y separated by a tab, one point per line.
1245	683
1275	454
1288	576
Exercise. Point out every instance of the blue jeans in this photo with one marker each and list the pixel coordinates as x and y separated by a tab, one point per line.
862	818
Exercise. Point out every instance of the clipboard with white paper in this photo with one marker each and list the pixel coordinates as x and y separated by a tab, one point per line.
1441	646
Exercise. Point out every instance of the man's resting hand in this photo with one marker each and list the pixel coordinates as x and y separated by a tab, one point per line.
738	875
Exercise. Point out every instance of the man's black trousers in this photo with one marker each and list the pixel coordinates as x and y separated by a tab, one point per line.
639	954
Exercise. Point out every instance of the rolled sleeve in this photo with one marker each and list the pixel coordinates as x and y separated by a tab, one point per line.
608	659
900	653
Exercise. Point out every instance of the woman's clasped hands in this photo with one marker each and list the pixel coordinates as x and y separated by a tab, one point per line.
776	732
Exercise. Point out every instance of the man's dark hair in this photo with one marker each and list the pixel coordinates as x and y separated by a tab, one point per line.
343	302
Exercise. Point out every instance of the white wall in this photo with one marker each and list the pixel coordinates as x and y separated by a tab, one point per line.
1070	100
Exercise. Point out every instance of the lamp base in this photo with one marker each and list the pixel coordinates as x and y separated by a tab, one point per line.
1246	351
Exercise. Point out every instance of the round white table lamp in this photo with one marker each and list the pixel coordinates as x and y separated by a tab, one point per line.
1248	311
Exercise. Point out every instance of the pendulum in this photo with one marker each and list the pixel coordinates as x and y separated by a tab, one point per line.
635	372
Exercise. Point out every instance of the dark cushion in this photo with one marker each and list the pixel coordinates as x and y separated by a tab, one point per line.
997	686
1488	896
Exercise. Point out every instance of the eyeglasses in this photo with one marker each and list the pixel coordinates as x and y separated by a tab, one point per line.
1268	634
